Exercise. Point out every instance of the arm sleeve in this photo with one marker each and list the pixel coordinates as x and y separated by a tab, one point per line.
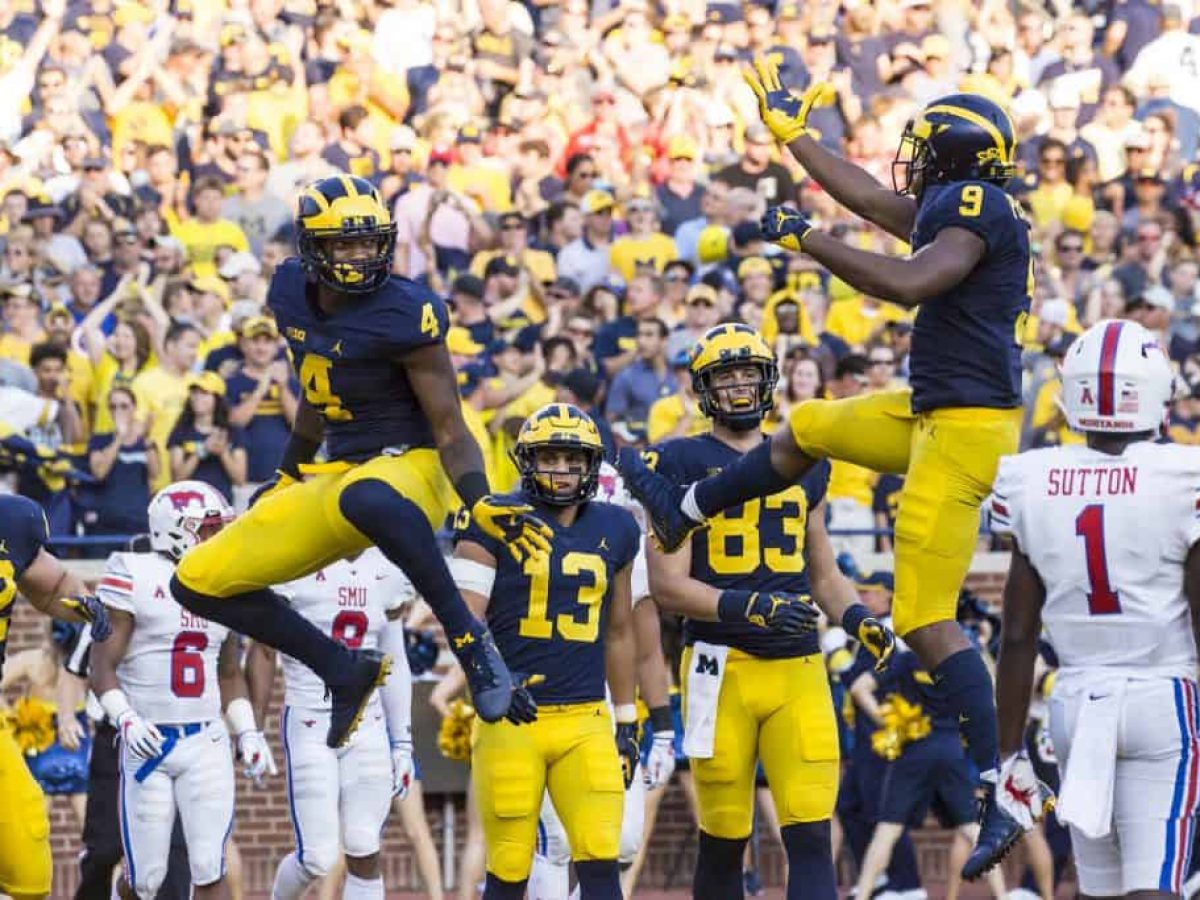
816	483
396	693
116	585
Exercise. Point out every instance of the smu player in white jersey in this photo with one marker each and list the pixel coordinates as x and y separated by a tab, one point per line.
340	798
162	678
1106	558
549	878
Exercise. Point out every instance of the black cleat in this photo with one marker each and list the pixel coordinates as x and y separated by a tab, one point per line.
370	669
661	498
998	832
488	678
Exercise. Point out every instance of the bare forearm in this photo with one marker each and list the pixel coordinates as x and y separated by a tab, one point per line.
686	597
654	681
1014	689
834	594
260	678
461	456
620	663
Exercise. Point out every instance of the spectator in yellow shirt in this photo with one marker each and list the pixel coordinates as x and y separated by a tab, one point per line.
677	415
207	232
1048	200
644	247
162	390
856	318
483	179
851	488
536	266
22	329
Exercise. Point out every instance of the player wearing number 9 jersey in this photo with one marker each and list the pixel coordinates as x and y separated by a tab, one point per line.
162	678
1106	559
380	391
754	686
570	621
969	274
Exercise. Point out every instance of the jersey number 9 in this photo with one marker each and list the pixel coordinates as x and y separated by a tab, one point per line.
536	624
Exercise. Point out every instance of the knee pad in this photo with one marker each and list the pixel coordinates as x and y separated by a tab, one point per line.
371	504
317	861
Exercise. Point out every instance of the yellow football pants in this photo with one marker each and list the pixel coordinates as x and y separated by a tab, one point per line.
25	863
569	751
295	531
949	459
779	711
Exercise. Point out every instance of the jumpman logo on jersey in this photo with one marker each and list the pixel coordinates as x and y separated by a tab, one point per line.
464	641
3	548
603	544
337	349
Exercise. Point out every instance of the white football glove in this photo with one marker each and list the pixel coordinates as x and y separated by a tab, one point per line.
141	737
1018	791
402	768
660	762
255	754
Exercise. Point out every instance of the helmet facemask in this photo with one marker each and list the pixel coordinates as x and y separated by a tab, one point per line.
360	276
554	487
913	158
742	405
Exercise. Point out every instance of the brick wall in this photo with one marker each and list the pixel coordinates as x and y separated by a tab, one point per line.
264	833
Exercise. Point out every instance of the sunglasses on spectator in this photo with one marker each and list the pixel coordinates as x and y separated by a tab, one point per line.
1070	248
582	332
674	279
1054	160
883	361
586	173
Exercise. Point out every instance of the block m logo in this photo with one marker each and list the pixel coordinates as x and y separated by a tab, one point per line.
706	665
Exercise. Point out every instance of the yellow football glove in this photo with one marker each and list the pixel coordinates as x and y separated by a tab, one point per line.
525	535
785	114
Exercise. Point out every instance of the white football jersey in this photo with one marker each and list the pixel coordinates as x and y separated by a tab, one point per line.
349	601
1108	535
169	672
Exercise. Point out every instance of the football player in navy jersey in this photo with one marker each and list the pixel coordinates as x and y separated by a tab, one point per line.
25	565
753	677
971	274
381	393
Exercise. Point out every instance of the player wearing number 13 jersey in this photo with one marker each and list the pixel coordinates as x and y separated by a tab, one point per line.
969	275
380	391
1106	559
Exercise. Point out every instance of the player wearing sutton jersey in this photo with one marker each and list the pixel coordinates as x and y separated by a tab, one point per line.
25	565
380	391
569	621
1106	559
754	681
339	799
970	273
163	679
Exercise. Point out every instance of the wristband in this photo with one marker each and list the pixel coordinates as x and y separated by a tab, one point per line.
660	719
853	617
472	487
240	714
731	605
115	704
626	713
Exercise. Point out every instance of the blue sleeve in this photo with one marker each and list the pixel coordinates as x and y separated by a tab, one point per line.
607	342
977	206
416	318
664	459
631	538
816	482
237	386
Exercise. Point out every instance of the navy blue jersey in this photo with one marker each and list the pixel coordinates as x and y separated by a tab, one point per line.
885	683
210	469
965	343
349	362
23	532
757	546
916	685
886	497
268	431
551	621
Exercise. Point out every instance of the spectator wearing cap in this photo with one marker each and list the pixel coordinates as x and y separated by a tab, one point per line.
482	179
211	313
586	259
1152	309
856	318
644	248
1144	266
262	395
644	380
536	266
1064	123
1081	67
470	311
22	322
96	197
125	463
700	313
207	231
436	227
756	279
353	152
242	272
60	332
256	212
562	299
126	262
1149	200
1046	424
162	390
402	172
503	293
676	414
54	245
758	172
203	445
680	195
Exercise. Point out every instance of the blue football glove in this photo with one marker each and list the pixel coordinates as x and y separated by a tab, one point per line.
524	708
89	608
660	498
628	750
786	227
525	535
778	611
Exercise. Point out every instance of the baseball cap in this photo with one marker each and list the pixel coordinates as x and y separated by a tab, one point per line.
511	218
639	204
583	383
469	379
471	285
701	293
240	264
723	13
210	284
1060	345
682	147
597	201
1149	174
718	114
1138	140
753	265
1054	312
259	325
501	265
441	157
460	343
1157	296
682	359
876	581
936	45
59	310
209	382
469	134
564	284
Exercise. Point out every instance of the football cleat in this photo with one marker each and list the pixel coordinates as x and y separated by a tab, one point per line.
488	678
661	498
998	831
370	668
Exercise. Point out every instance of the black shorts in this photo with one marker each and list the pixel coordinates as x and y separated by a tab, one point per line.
931	775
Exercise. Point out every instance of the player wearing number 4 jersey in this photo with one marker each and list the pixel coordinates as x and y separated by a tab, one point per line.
163	678
1107	559
970	275
339	798
380	391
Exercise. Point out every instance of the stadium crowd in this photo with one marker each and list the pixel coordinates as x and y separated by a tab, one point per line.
583	181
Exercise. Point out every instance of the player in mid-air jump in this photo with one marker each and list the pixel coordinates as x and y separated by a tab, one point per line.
380	391
970	273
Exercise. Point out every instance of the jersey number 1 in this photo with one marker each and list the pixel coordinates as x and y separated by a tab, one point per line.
1089	525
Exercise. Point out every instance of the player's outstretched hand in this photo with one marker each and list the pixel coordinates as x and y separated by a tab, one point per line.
778	611
878	640
523	709
402	768
786	227
89	608
627	749
141	737
255	754
525	535
660	762
660	497
785	114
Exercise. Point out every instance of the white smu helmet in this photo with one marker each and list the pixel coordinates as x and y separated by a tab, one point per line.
184	514
1116	379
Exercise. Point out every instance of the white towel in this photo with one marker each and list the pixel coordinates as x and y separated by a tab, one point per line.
1086	797
706	671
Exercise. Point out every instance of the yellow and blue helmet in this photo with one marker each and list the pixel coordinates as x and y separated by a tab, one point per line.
960	137
564	427
344	207
723	347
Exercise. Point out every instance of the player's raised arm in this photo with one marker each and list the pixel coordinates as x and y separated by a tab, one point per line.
260	677
852	186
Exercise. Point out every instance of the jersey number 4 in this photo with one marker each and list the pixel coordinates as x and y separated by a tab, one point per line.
536	624
1089	525
318	388
187	663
